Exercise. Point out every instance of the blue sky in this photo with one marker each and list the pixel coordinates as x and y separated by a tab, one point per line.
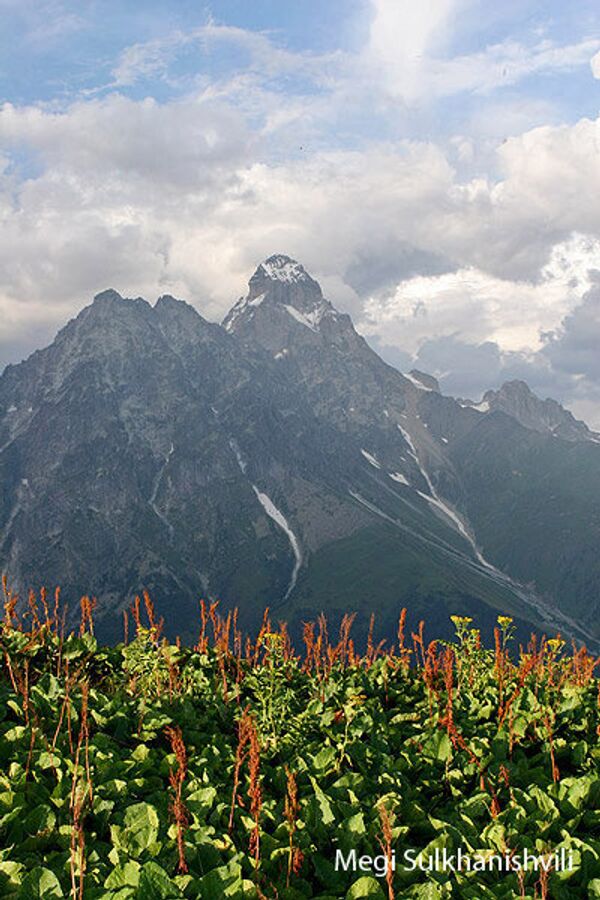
434	164
71	47
54	52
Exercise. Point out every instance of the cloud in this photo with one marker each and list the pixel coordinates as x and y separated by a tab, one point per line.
148	196
408	51
182	143
407	56
565	363
461	250
257	53
402	36
514	314
573	347
504	65
595	64
43	21
149	58
548	179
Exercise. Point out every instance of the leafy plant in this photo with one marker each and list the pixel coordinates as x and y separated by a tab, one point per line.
240	769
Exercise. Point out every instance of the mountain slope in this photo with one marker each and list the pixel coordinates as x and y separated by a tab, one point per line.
275	460
405	428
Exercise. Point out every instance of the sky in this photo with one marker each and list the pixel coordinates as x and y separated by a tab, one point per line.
435	165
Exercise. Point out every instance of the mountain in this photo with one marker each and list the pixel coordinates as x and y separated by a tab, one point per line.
278	460
546	416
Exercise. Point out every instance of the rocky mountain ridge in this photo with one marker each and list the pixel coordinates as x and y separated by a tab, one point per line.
278	460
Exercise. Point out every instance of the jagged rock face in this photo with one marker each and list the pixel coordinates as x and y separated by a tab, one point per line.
517	400
278	460
281	297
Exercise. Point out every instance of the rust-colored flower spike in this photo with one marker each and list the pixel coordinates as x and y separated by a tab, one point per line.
87	620
254	791
291	808
177	806
135	612
385	842
56	609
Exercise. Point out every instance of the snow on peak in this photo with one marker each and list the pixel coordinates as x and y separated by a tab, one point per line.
310	319
282	292
282	268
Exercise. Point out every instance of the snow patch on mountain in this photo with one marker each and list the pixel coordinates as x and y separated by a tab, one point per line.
155	488
282	268
371	459
277	516
399	477
434	498
311	319
239	458
257	300
435	501
482	407
412	449
418	384
300	317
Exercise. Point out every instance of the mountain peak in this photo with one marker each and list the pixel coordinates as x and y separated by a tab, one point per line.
109	310
280	267
514	388
281	288
108	296
547	416
169	305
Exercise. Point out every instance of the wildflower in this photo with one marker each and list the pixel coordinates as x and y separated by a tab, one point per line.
504	621
556	644
461	620
273	636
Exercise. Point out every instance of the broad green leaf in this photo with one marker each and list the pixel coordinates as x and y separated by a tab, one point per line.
365	886
224	881
324	760
427	891
139	831
40	883
324	804
123	875
155	884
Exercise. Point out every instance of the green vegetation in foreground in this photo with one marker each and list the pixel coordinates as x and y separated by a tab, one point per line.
237	769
